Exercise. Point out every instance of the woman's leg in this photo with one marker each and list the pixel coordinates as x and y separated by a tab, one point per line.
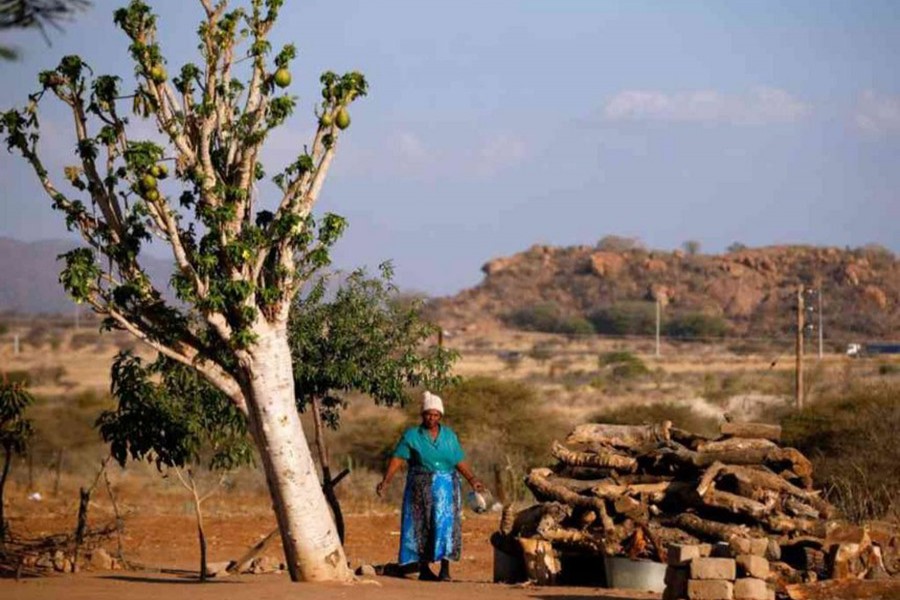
444	575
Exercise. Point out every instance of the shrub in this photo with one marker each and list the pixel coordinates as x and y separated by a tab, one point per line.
618	243
627	318
548	317
681	415
541	352
851	440
696	325
736	247
623	365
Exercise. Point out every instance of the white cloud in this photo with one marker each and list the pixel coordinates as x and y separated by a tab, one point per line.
408	148
500	151
759	106
877	113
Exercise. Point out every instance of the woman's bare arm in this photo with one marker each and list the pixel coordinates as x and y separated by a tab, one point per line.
466	471
393	466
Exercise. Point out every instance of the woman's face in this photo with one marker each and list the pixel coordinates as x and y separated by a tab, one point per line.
431	418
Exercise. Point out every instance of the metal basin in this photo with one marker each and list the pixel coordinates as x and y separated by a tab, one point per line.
626	574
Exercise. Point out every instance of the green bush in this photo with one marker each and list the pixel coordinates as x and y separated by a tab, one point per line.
548	317
851	440
627	318
622	365
696	325
682	416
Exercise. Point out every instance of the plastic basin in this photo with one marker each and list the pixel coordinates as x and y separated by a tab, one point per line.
626	574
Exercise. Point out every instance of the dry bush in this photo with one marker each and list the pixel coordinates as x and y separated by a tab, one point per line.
852	441
681	415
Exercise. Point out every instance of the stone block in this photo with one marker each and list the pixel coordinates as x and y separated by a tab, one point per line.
711	589
749	588
713	568
759	546
680	555
752	566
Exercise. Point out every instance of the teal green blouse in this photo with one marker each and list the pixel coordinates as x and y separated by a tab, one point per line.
439	455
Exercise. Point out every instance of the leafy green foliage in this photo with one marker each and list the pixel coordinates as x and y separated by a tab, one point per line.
547	317
696	325
166	414
363	340
626	318
15	429
622	365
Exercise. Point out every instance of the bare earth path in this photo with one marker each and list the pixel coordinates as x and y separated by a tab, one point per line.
137	586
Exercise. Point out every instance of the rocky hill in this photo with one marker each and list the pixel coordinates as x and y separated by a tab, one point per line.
29	276
748	292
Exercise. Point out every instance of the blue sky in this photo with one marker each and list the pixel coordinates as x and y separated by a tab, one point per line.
492	126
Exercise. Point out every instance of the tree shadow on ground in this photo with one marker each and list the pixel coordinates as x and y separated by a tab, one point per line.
171	579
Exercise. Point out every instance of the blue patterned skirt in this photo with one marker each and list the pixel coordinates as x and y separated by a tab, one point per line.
430	526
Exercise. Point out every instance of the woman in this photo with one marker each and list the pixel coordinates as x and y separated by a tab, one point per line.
430	525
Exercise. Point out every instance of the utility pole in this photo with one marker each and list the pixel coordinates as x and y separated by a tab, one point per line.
657	327
821	335
798	381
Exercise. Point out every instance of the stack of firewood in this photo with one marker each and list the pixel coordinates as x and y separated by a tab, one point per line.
633	490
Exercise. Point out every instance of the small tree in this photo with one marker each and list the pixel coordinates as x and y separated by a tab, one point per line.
692	247
736	247
168	415
237	268
15	430
363	340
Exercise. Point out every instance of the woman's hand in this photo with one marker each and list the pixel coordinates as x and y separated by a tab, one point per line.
476	484
379	489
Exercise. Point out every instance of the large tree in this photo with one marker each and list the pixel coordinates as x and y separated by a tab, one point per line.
238	268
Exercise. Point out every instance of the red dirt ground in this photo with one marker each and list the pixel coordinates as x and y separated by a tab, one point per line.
165	544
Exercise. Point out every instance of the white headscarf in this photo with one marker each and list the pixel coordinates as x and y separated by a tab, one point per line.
432	402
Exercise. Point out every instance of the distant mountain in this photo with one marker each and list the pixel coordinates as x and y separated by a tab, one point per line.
749	292
29	276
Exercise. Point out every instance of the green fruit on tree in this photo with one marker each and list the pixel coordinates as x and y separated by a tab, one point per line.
327	120
158	73
152	195
282	77
148	182
343	119
162	171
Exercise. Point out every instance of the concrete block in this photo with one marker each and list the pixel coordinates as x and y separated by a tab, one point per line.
711	589
713	568
749	588
759	546
752	566
680	555
705	550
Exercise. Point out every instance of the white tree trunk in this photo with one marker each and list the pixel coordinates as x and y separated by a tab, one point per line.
312	548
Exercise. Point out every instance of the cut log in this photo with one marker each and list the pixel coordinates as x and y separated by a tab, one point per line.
612	460
736	504
794	460
528	521
620	436
610	491
709	478
579	486
736	536
587	473
541	561
537	481
785	524
749	445
762	479
751	430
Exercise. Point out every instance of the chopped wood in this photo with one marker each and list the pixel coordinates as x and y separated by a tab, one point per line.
736	504
620	436
541	487
589	459
751	430
750	445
